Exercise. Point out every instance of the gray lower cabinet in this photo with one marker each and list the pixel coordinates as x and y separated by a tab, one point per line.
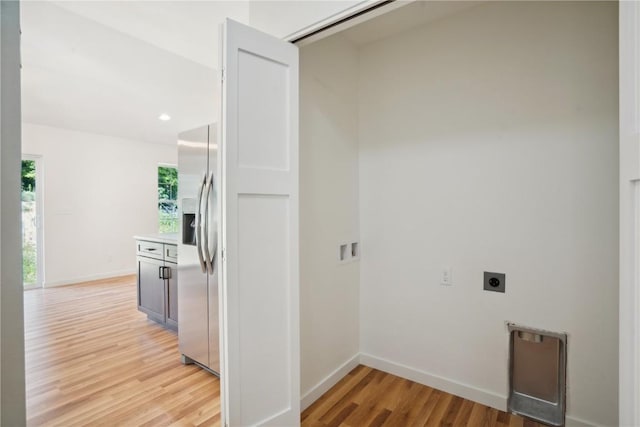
151	292
172	296
158	282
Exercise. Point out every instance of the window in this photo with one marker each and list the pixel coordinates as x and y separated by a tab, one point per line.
29	224
167	199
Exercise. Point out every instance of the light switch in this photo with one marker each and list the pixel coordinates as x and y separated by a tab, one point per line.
445	277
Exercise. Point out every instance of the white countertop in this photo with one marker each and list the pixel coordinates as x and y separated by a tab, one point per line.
171	238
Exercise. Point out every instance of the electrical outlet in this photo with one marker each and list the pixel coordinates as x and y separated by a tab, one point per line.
445	277
494	282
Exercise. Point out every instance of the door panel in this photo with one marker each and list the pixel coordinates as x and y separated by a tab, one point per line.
214	320
193	149
213	247
265	291
151	288
264	144
261	367
172	295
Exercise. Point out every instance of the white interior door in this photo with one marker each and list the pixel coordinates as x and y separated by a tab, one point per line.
260	320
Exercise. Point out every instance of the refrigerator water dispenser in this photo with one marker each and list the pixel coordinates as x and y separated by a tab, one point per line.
189	221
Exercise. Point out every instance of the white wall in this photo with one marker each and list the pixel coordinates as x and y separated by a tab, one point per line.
328	211
99	191
489	142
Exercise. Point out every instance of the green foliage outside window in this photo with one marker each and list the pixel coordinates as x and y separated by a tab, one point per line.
28	175
167	199
29	233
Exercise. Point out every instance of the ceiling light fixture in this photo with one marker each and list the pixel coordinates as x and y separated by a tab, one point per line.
164	117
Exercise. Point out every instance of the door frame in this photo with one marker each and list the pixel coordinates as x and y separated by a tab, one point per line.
38	159
12	386
629	274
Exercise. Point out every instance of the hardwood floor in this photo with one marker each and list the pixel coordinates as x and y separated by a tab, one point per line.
368	397
93	359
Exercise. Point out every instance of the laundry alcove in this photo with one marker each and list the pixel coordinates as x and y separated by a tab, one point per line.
478	136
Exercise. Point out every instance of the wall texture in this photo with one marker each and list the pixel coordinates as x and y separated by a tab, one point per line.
489	142
329	296
99	191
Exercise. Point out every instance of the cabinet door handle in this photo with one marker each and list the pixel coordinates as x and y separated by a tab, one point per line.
164	272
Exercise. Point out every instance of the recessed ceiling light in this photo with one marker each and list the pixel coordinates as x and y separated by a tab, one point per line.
164	117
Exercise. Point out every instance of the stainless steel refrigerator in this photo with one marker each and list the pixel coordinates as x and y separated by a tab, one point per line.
198	329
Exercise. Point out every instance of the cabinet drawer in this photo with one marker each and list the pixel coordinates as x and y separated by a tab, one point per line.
150	249
171	253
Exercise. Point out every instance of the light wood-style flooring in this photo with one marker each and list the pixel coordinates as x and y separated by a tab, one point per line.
368	397
93	359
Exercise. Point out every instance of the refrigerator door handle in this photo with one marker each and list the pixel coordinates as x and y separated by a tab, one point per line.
203	265
208	258
212	255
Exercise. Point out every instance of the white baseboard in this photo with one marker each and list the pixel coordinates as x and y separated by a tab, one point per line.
466	391
577	422
332	379
90	278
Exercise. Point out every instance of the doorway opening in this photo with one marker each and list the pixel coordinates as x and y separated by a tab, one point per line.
32	233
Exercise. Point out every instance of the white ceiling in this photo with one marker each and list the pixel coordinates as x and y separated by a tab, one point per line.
113	67
185	28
